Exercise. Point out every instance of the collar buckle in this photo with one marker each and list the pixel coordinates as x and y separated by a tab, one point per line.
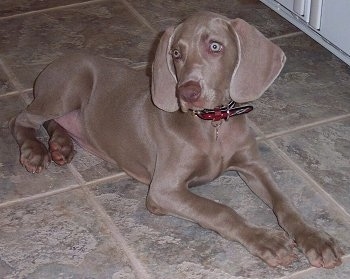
222	112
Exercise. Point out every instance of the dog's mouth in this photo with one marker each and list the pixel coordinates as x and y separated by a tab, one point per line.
186	106
202	104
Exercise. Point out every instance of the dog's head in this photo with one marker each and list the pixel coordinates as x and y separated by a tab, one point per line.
209	59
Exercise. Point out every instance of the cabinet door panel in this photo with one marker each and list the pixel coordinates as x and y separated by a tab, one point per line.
289	4
299	7
315	13
335	23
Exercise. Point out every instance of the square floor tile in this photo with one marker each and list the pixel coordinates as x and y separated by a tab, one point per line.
324	153
92	168
314	85
17	183
162	14
11	8
10	106
58	237
29	43
5	84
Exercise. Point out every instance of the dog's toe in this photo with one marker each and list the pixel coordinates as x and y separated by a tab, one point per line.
34	156
320	249
273	247
61	152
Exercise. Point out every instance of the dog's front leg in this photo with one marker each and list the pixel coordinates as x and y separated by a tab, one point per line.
170	195
319	247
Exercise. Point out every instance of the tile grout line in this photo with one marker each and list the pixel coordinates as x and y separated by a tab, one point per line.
293	34
51	9
295	275
111	178
137	265
301	127
40	195
11	93
16	93
315	185
138	16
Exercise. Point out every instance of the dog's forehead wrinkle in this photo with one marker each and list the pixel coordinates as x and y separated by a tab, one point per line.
189	33
216	30
204	17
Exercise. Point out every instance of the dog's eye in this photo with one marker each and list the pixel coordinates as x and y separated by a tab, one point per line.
176	54
215	47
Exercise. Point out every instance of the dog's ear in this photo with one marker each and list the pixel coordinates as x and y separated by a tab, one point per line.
163	75
259	62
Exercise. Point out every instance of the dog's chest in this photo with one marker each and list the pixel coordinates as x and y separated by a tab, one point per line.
219	144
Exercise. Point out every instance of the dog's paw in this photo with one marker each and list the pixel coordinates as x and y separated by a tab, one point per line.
34	156
272	246
320	248
62	150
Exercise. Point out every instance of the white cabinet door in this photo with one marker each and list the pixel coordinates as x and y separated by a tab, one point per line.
326	21
335	23
299	7
287	3
316	13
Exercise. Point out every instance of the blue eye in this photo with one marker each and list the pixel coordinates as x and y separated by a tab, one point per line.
176	54
215	47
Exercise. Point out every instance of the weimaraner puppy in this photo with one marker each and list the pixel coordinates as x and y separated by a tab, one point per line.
188	131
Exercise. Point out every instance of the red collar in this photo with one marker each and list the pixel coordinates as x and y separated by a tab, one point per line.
222	112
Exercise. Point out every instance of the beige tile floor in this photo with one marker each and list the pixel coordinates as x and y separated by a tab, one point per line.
88	219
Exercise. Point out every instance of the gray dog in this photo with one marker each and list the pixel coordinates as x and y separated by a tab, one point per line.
201	69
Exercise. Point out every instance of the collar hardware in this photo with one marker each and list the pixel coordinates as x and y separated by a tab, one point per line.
222	112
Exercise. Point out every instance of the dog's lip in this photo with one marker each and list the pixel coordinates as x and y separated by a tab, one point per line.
186	106
200	105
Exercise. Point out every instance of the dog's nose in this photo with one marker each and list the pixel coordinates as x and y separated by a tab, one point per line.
190	91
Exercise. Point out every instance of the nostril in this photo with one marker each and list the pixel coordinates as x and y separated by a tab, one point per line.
189	91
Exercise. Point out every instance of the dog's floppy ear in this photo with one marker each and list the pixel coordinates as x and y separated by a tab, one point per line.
259	62
163	75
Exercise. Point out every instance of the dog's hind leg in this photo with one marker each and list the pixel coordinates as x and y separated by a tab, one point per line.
61	89
33	153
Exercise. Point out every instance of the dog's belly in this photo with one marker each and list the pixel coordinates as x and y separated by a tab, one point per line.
72	123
